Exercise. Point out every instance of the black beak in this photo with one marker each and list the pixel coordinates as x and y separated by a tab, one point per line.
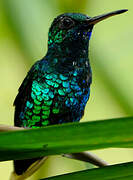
99	18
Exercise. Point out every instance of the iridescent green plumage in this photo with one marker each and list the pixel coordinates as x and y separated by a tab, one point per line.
52	94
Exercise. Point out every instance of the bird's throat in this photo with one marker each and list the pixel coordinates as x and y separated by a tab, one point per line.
73	50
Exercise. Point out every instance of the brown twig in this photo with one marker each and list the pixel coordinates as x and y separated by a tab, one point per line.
4	128
87	157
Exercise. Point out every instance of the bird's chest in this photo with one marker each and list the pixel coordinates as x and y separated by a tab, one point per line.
68	90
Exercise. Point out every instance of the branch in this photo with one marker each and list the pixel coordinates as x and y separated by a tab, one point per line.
5	128
87	157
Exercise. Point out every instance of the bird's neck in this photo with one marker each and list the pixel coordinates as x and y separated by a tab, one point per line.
73	50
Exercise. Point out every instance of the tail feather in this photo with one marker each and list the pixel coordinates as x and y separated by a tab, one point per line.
31	170
20	166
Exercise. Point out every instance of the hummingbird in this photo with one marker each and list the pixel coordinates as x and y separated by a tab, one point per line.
57	87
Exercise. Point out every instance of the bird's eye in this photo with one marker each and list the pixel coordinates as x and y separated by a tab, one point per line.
66	23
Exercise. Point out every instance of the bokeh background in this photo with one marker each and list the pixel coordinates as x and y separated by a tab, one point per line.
23	40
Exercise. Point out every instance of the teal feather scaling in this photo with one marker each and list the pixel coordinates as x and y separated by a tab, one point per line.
57	88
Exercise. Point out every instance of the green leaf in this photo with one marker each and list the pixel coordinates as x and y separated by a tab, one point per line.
66	138
115	172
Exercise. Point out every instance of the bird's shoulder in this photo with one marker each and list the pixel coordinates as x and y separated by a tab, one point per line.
37	71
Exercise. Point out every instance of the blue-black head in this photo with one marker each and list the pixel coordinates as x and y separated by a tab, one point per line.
70	32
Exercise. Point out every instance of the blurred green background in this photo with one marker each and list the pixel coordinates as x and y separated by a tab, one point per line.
23	40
